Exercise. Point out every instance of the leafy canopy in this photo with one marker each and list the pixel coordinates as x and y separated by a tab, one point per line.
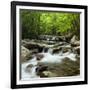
34	23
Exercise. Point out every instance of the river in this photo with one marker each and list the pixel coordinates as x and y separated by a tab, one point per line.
29	68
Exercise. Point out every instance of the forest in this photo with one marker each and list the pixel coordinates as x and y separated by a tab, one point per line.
50	44
36	23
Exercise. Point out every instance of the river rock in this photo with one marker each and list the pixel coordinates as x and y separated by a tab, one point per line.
48	74
51	38
34	51
74	41
40	69
58	44
32	44
28	68
68	37
78	57
25	54
77	49
65	50
77	43
39	56
56	50
66	68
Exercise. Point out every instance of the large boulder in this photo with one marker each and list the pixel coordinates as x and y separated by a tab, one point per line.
66	68
74	41
25	54
40	69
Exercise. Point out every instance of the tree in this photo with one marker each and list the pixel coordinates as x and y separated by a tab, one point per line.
35	23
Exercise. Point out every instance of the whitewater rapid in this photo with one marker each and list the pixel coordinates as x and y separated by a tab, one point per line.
48	58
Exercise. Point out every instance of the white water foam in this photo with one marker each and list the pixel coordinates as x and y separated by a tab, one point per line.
48	58
28	75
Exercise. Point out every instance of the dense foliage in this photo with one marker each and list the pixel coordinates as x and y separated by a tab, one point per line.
34	23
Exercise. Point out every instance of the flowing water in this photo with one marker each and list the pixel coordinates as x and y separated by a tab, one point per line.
27	74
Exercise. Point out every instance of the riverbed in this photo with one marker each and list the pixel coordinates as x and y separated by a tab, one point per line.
52	62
